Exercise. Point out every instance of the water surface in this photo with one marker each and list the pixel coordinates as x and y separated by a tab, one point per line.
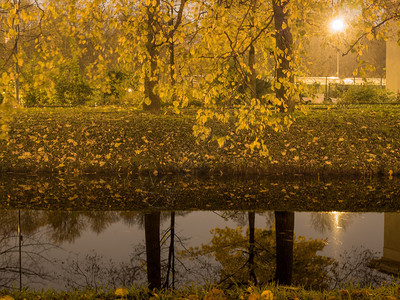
68	249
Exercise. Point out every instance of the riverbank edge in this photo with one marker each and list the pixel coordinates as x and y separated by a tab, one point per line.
269	292
345	141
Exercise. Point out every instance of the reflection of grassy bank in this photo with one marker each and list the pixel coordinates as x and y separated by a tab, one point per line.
297	193
357	140
196	293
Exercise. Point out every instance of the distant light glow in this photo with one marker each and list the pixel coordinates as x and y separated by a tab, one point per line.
337	25
130	90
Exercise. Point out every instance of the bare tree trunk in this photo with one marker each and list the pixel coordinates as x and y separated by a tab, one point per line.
151	78
153	249
252	58
284	224
171	46
253	74
284	43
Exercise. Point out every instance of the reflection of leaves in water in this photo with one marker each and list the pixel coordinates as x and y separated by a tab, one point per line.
65	225
93	272
132	218
191	192
354	268
328	221
241	217
34	258
230	247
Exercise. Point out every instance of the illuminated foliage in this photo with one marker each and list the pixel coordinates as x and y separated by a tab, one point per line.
171	52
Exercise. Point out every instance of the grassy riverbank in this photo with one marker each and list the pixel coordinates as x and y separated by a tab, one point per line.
361	140
389	292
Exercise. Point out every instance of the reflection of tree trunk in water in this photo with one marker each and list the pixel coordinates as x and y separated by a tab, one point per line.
252	218
171	254
153	251
20	249
284	224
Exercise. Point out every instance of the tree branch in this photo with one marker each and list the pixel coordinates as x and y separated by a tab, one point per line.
351	47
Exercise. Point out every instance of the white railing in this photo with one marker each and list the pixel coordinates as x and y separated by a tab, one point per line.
349	80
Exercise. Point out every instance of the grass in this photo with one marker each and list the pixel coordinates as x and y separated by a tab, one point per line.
389	292
362	140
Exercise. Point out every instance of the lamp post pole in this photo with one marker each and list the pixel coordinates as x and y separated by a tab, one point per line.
337	62
337	25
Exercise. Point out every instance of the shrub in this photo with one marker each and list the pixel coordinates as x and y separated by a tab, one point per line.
71	87
116	79
366	94
337	90
35	97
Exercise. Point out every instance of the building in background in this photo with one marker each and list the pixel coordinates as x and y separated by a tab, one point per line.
393	62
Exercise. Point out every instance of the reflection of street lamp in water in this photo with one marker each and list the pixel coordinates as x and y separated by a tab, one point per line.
337	25
336	219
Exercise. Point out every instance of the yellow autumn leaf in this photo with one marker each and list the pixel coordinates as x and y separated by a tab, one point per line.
209	78
71	141
370	36
221	141
121	292
147	101
253	297
267	295
25	155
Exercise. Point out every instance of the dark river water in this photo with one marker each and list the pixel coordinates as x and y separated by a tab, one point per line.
172	231
68	249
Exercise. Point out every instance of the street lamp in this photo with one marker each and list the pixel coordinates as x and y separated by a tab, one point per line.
337	26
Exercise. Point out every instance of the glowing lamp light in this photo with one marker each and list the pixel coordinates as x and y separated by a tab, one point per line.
337	25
